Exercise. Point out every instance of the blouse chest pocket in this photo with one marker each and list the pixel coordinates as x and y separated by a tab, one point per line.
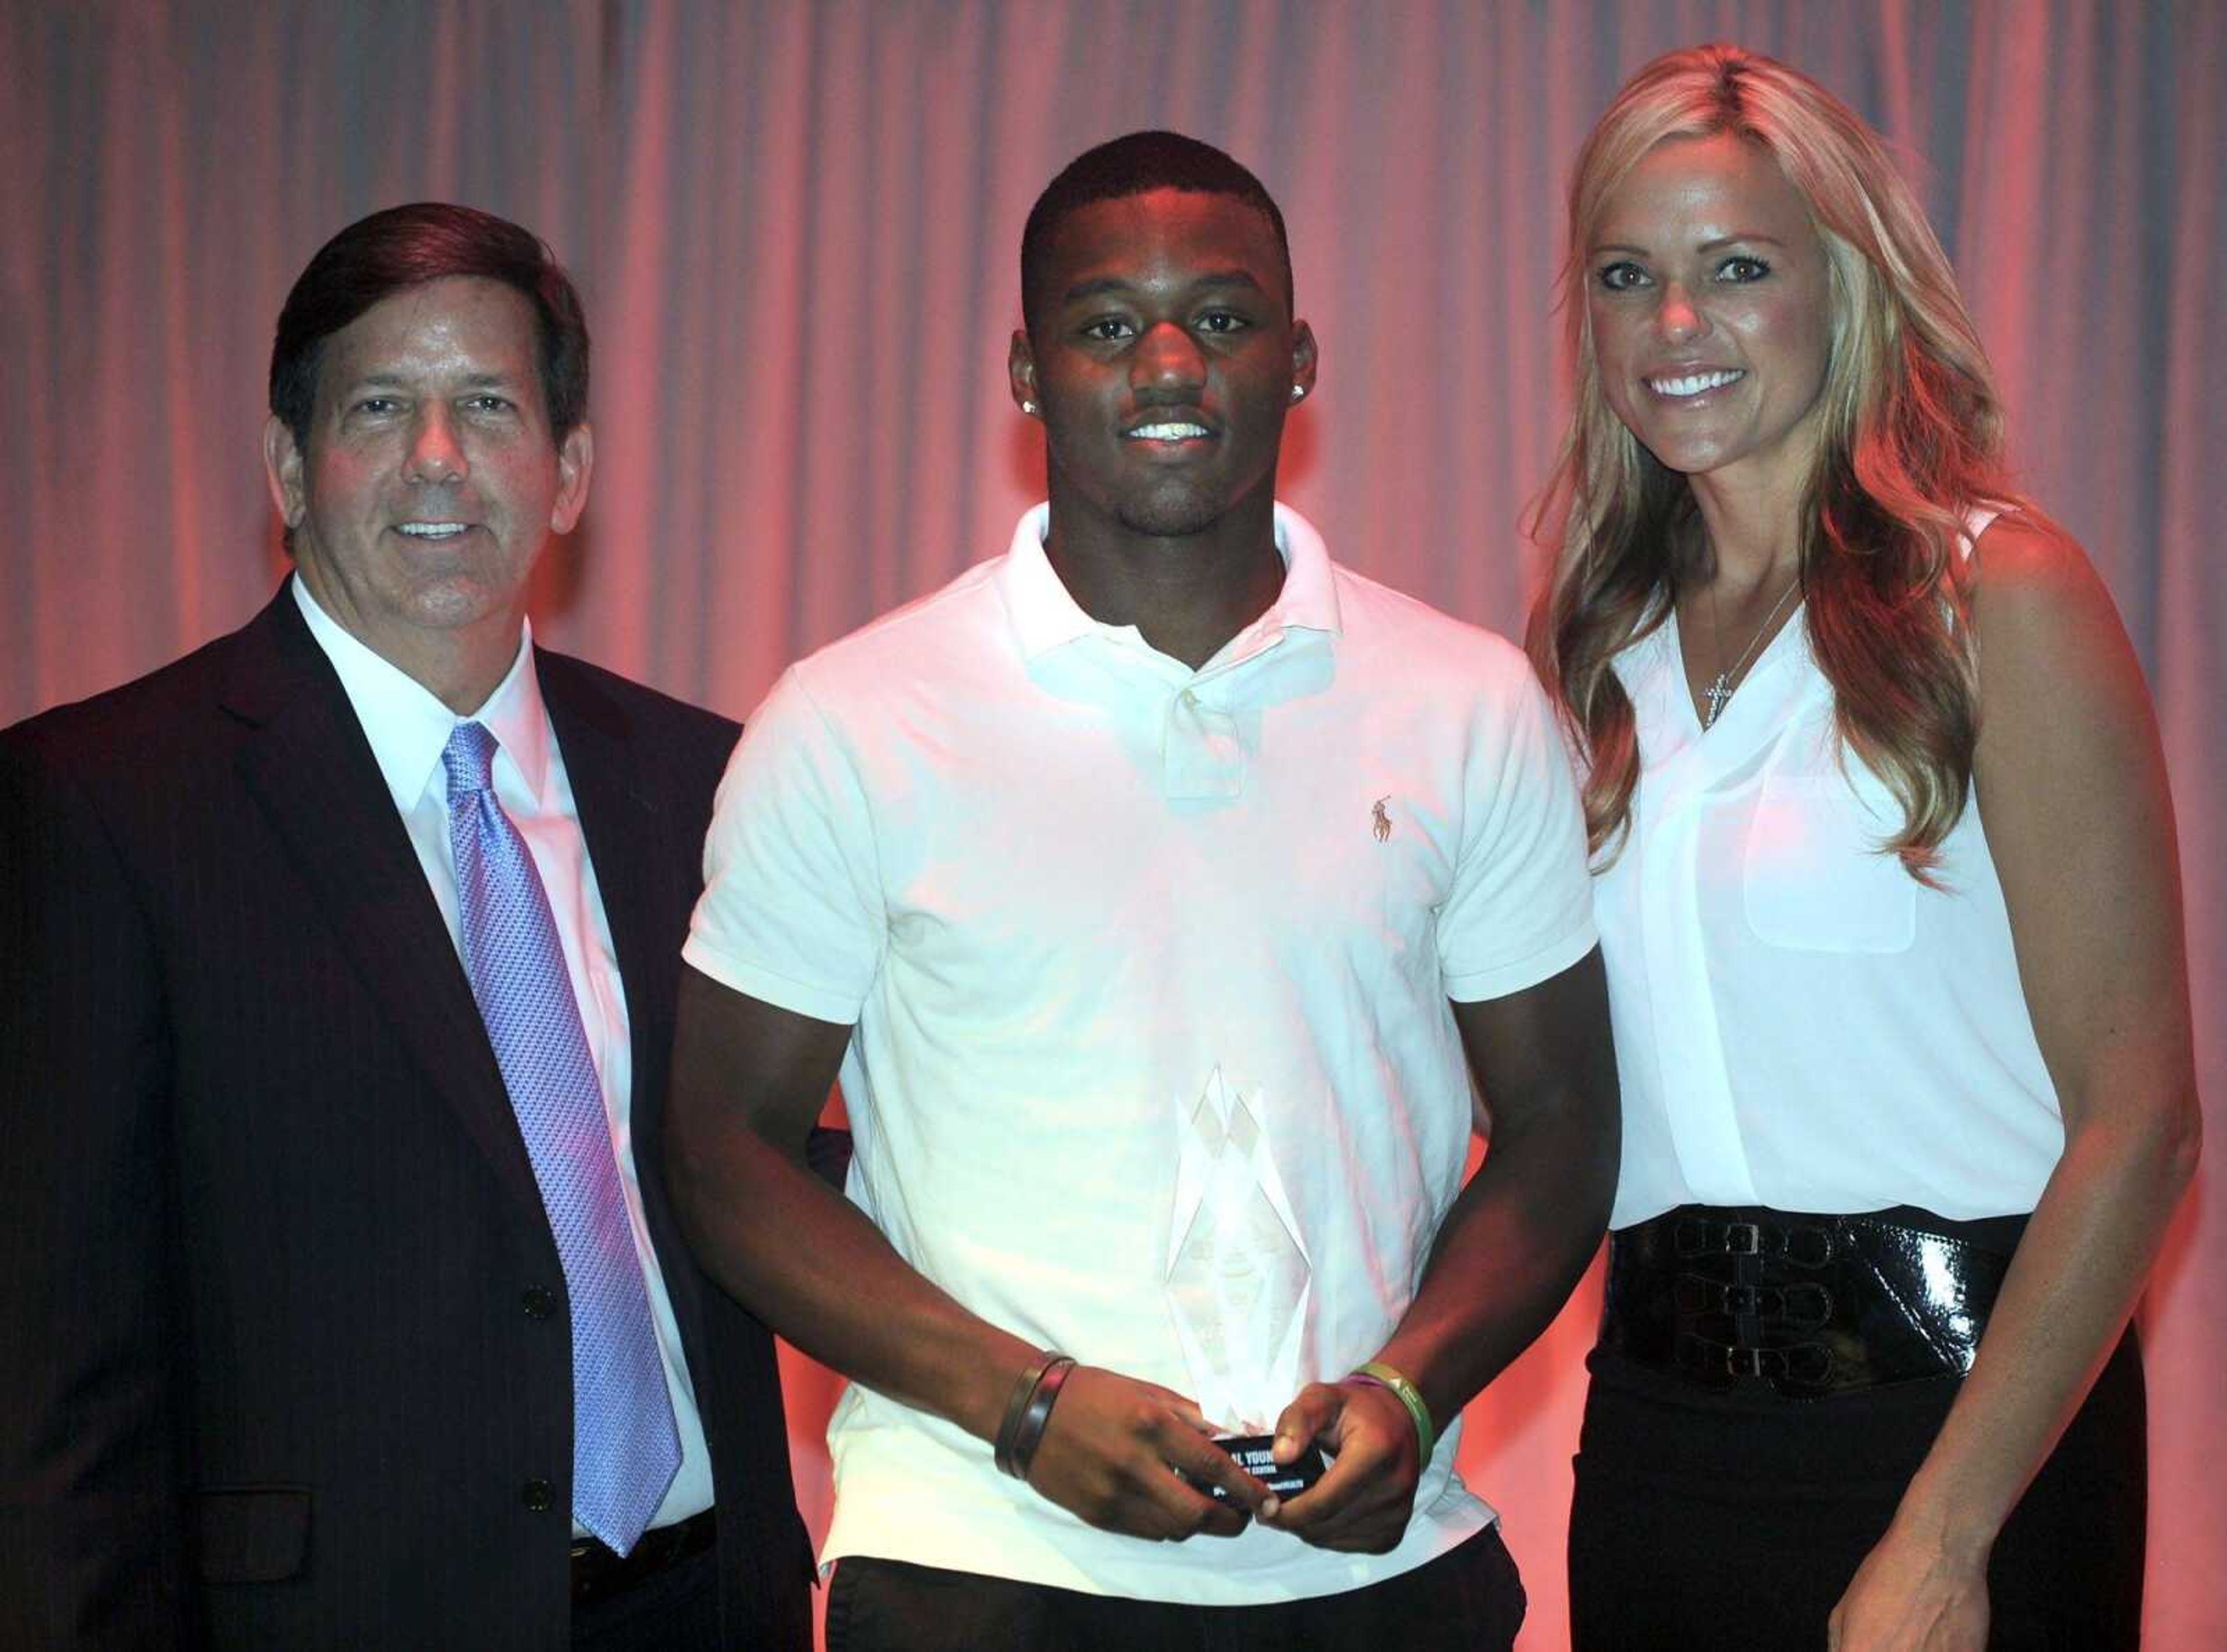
1815	879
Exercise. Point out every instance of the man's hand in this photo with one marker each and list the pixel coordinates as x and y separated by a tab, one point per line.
1112	1451
1363	1501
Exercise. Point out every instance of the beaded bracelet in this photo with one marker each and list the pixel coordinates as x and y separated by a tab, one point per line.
1028	1411
1377	1374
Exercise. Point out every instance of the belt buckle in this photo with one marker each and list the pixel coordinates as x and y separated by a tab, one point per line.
592	1566
1808	1291
1743	1239
1760	1300
1808	1247
1754	1361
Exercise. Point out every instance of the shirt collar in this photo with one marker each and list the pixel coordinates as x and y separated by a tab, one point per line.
1046	616
407	724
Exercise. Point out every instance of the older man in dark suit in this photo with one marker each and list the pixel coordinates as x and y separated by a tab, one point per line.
344	1308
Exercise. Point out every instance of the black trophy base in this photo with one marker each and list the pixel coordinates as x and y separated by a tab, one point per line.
1253	1453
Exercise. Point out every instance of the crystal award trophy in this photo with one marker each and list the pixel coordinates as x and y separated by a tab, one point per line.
1238	1276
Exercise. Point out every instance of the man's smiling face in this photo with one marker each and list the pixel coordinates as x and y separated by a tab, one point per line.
431	479
1162	356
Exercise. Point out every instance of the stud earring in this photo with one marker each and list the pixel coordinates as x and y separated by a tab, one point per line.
1030	408
1298	392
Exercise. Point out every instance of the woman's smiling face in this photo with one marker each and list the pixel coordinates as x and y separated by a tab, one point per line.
1710	300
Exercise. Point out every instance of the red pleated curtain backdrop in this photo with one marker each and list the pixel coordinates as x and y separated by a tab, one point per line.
796	225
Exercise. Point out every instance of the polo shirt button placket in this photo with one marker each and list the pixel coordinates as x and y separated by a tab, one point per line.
1202	759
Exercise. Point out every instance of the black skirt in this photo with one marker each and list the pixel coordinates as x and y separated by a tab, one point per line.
1732	1520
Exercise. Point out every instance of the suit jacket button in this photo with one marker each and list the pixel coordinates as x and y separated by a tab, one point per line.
538	1496
540	1302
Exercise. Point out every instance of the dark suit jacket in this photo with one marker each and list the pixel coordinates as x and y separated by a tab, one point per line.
284	1359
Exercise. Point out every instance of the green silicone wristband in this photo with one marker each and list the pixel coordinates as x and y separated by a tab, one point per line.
1381	1375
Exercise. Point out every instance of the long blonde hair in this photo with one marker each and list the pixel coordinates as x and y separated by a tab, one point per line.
1911	439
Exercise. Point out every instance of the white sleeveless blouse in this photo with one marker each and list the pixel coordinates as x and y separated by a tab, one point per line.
1799	1023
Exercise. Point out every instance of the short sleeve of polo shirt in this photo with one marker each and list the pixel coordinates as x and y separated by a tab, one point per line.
791	912
1519	908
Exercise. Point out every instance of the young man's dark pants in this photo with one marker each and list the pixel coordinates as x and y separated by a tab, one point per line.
1469	1598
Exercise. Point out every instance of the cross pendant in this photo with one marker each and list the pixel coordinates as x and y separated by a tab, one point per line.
1716	693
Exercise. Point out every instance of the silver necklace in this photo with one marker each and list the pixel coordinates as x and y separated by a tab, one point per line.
1721	689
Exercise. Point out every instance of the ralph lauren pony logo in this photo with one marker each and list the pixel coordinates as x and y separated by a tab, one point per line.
1379	821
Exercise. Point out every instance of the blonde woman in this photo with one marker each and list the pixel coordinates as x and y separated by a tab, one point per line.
1886	880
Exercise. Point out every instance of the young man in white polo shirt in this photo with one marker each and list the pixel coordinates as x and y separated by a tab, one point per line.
1149	886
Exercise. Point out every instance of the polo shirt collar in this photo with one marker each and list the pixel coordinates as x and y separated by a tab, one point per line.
1046	616
407	725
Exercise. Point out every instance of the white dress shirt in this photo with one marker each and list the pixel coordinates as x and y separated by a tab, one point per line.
408	726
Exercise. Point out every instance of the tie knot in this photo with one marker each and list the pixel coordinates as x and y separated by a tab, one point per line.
469	759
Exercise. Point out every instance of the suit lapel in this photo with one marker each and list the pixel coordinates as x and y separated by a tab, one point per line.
629	833
310	770
623	827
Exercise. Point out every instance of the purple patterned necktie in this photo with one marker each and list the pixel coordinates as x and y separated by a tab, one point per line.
625	1446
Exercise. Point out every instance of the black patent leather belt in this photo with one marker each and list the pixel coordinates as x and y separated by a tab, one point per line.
599	1572
1802	1306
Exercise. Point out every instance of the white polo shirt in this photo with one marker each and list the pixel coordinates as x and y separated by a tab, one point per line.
1138	956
